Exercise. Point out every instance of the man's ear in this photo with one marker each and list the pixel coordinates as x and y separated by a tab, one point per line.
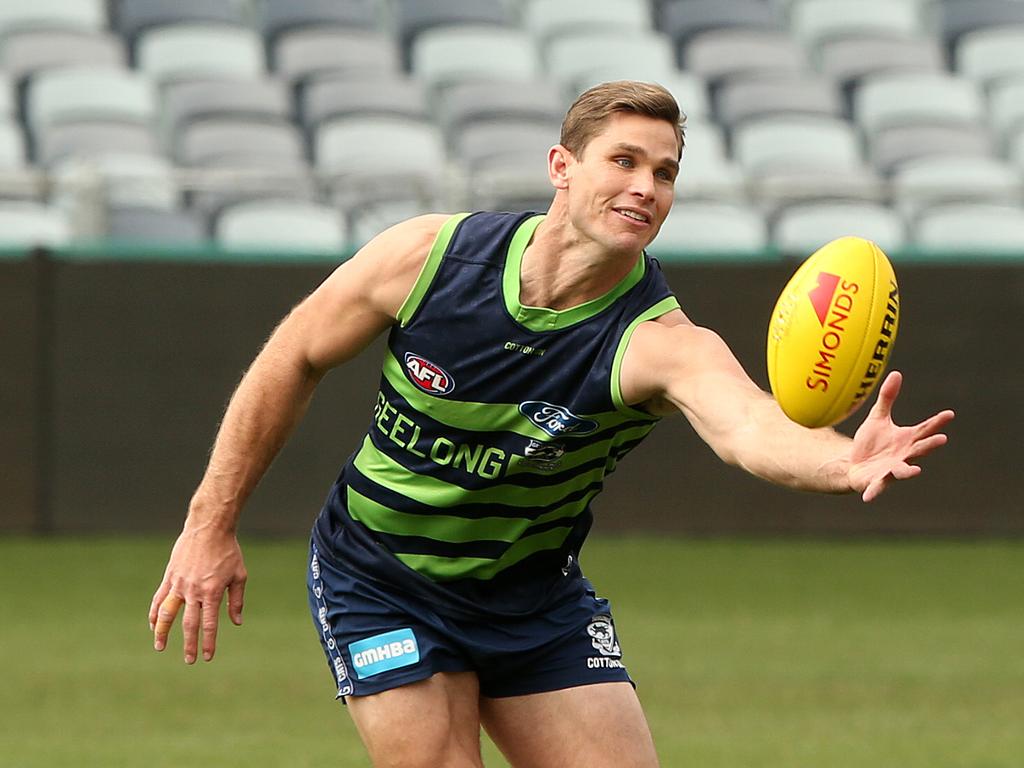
560	160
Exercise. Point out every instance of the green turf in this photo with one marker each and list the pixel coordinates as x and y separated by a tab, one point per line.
761	654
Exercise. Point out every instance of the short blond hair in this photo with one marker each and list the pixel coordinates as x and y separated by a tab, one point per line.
588	114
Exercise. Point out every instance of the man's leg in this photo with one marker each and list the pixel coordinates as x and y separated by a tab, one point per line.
433	723
590	726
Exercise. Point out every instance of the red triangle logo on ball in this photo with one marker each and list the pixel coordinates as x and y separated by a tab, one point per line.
821	296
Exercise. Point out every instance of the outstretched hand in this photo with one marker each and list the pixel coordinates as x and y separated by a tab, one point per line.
883	451
204	563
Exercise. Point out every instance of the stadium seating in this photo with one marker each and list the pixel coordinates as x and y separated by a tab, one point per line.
131	115
32	50
718	230
285	225
801	229
966	227
721	53
31	224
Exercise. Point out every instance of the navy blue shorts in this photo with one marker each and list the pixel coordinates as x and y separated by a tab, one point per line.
376	639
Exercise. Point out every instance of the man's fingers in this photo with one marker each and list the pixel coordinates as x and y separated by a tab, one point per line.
236	598
888	393
166	611
926	446
934	424
211	615
154	604
190	629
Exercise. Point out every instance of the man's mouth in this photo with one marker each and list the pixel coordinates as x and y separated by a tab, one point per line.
634	215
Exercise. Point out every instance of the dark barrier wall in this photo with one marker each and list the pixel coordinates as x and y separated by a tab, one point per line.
144	355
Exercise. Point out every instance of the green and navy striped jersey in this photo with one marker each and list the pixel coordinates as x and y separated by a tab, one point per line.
494	427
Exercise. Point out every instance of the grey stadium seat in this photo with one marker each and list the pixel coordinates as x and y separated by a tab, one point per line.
988	55
120	179
742	98
545	19
1006	108
510	188
571	60
802	229
327	98
183	103
133	17
891	147
682	19
957	17
84	93
279	16
722	53
30	51
795	141
93	137
902	98
505	143
285	225
719	230
185	51
32	224
8	99
414	17
256	143
377	158
307	53
927	181
465	103
444	56
816	21
230	180
967	227
18	15
706	172
848	59
774	189
146	225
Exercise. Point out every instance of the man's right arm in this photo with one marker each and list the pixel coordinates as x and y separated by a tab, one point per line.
329	327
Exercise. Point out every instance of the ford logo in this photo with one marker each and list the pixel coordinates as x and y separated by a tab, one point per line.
556	420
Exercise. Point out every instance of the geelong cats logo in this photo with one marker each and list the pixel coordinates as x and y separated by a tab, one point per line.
556	420
428	376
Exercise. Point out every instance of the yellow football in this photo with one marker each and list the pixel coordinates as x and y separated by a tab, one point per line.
832	331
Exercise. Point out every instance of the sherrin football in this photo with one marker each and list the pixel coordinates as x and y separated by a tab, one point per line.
832	331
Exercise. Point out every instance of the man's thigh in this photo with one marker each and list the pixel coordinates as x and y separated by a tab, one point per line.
426	724
590	726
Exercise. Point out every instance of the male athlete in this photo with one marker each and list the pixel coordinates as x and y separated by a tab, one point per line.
526	355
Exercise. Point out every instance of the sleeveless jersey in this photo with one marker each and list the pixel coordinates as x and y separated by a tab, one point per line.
494	428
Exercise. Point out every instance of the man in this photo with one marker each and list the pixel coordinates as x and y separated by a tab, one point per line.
527	355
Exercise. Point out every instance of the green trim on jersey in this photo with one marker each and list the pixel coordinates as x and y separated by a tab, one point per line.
659	309
429	269
451	568
540	319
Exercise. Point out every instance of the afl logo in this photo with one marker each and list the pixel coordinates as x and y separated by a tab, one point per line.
428	376
556	420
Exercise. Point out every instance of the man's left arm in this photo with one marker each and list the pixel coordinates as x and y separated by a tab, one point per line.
677	366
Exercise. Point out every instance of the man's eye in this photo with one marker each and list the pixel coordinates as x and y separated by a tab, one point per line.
625	162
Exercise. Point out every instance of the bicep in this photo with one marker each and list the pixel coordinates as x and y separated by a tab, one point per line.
361	298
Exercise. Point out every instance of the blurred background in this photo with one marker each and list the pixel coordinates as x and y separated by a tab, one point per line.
175	175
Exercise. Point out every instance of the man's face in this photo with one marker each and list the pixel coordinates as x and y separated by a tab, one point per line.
620	187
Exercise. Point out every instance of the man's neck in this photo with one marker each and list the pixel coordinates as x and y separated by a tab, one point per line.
562	269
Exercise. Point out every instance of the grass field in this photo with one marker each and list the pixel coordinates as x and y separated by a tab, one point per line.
748	653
